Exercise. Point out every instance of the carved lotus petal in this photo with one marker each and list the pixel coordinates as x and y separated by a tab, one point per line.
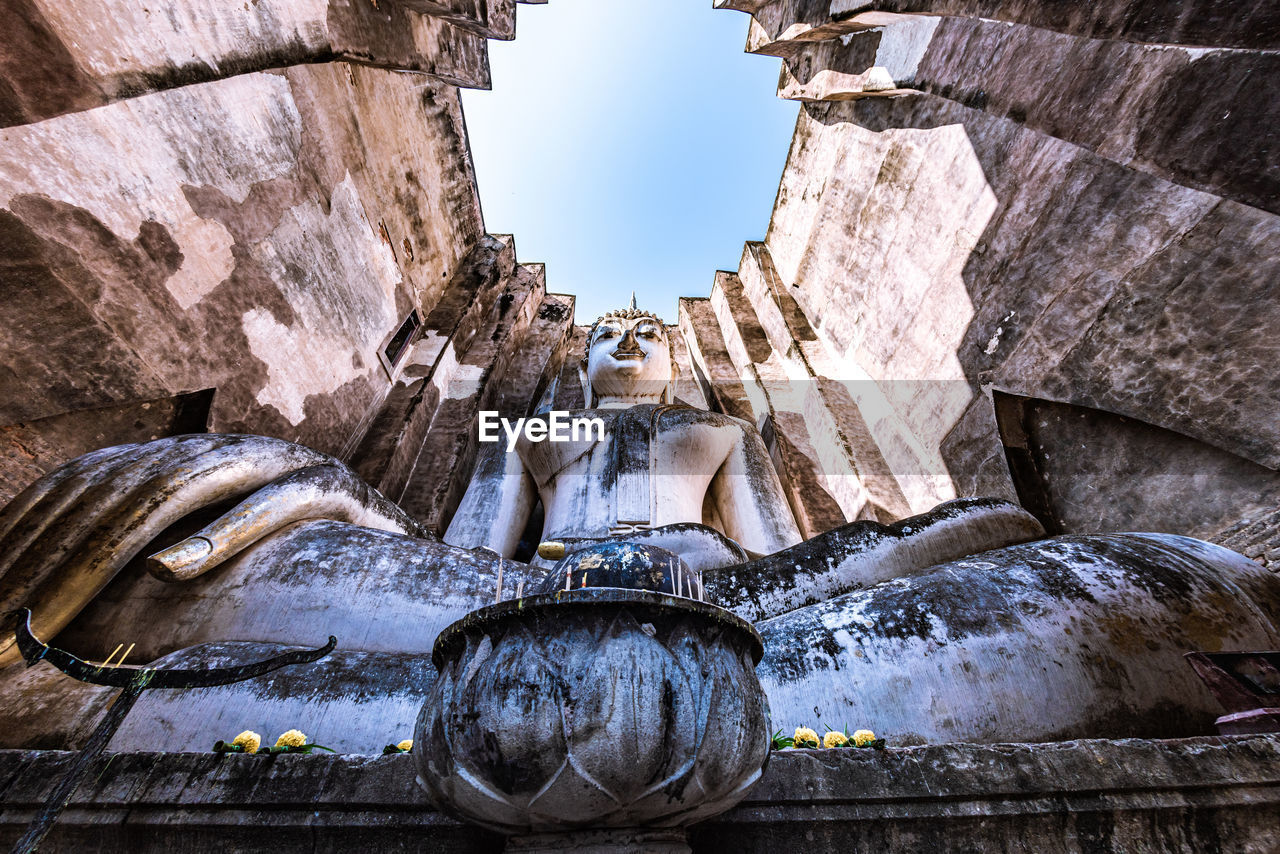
512	736
735	736
430	725
473	796
478	649
672	784
627	730
570	798
688	644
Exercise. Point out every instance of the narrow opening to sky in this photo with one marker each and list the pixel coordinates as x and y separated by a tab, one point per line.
629	146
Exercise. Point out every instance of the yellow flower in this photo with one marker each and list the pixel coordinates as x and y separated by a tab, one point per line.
406	745
835	739
249	740
863	737
806	737
292	738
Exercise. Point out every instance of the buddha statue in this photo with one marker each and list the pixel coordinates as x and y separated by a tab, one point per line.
961	624
659	472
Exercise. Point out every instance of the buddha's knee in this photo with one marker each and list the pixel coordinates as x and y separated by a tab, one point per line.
1061	638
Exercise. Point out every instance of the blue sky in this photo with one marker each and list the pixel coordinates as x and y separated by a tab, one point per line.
629	146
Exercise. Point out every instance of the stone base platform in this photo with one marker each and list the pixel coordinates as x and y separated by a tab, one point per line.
1218	794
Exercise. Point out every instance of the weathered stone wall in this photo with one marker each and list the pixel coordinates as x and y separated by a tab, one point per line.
1247	23
1072	204
1201	794
491	375
177	217
64	58
228	236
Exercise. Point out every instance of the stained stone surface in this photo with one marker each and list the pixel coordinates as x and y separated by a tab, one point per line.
150	251
295	588
52	67
863	554
1201	794
1064	457
33	449
1248	24
1185	112
1044	641
350	701
1256	537
1120	327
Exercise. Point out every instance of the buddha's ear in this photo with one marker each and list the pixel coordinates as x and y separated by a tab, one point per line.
669	393
588	395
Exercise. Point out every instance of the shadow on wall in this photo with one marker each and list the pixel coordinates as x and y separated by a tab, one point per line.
1082	470
984	252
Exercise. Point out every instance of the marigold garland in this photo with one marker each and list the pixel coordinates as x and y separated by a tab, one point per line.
833	740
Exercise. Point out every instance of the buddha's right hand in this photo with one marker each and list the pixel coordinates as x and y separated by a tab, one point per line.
66	536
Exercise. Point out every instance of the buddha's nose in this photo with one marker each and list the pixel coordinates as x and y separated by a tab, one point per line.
629	344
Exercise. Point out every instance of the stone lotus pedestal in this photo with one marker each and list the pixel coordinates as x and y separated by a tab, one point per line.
594	719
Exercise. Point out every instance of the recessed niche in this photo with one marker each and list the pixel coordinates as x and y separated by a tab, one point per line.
397	346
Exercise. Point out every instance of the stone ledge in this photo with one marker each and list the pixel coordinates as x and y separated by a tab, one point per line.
1201	23
1203	794
73	57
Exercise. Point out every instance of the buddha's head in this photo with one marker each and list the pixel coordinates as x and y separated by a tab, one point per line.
627	360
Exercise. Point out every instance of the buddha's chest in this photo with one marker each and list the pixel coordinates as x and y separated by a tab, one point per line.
644	470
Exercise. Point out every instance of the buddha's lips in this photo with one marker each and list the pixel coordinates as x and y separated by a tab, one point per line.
627	354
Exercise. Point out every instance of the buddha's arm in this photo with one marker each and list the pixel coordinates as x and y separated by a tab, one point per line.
750	500
497	504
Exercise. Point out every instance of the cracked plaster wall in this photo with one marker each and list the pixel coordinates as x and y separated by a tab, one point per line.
262	235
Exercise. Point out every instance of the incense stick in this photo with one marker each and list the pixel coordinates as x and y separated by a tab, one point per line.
119	646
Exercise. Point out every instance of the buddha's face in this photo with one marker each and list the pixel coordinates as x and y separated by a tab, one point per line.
629	358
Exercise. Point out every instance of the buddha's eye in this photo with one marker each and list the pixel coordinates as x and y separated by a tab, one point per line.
647	331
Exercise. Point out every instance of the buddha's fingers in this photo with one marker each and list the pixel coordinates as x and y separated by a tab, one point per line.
46	501
23	502
102	503
329	491
80	544
74	497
